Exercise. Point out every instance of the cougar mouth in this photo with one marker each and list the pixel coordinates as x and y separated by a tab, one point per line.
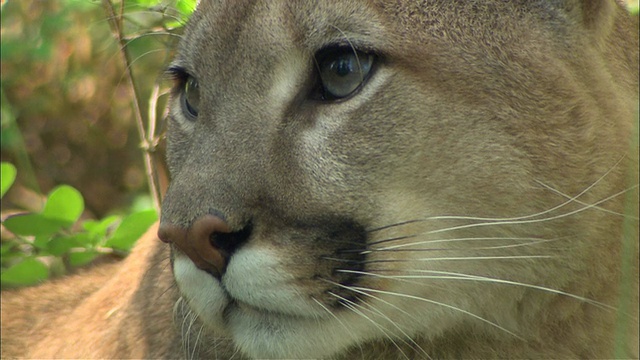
265	275
236	307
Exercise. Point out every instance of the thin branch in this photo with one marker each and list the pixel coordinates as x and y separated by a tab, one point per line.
147	139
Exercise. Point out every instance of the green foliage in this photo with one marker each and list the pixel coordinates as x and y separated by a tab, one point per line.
65	104
54	240
7	178
130	229
65	204
27	272
60	63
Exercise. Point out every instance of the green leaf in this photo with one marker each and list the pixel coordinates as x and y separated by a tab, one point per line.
41	241
82	258
99	228
28	272
61	245
186	8
11	252
85	240
145	3
131	228
64	203
6	246
7	177
33	225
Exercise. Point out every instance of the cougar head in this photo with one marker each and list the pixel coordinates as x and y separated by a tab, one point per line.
349	172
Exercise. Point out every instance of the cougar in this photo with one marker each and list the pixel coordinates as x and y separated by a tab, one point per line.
378	180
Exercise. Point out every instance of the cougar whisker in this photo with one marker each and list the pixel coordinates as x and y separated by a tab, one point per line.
447	275
351	305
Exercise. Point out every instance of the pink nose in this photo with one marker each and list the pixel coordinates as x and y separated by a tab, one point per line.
197	242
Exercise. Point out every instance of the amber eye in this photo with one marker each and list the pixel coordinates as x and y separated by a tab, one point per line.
342	71
191	97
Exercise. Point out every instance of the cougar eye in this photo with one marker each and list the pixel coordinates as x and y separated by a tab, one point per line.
342	71
191	96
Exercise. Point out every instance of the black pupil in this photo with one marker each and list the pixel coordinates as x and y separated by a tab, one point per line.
192	96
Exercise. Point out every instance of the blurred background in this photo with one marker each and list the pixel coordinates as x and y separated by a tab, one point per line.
67	115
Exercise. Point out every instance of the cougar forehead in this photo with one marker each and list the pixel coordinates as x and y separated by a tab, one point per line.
469	180
254	90
460	85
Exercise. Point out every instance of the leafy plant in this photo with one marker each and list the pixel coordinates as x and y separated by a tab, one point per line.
8	172
54	240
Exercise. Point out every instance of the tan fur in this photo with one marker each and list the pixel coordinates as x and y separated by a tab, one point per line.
102	312
469	162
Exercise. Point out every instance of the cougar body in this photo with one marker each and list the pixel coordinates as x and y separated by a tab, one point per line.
378	180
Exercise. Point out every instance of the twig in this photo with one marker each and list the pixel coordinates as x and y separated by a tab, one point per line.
147	139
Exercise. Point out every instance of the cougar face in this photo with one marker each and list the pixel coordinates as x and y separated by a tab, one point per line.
348	173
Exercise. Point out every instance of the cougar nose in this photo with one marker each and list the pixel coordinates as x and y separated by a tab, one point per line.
198	242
